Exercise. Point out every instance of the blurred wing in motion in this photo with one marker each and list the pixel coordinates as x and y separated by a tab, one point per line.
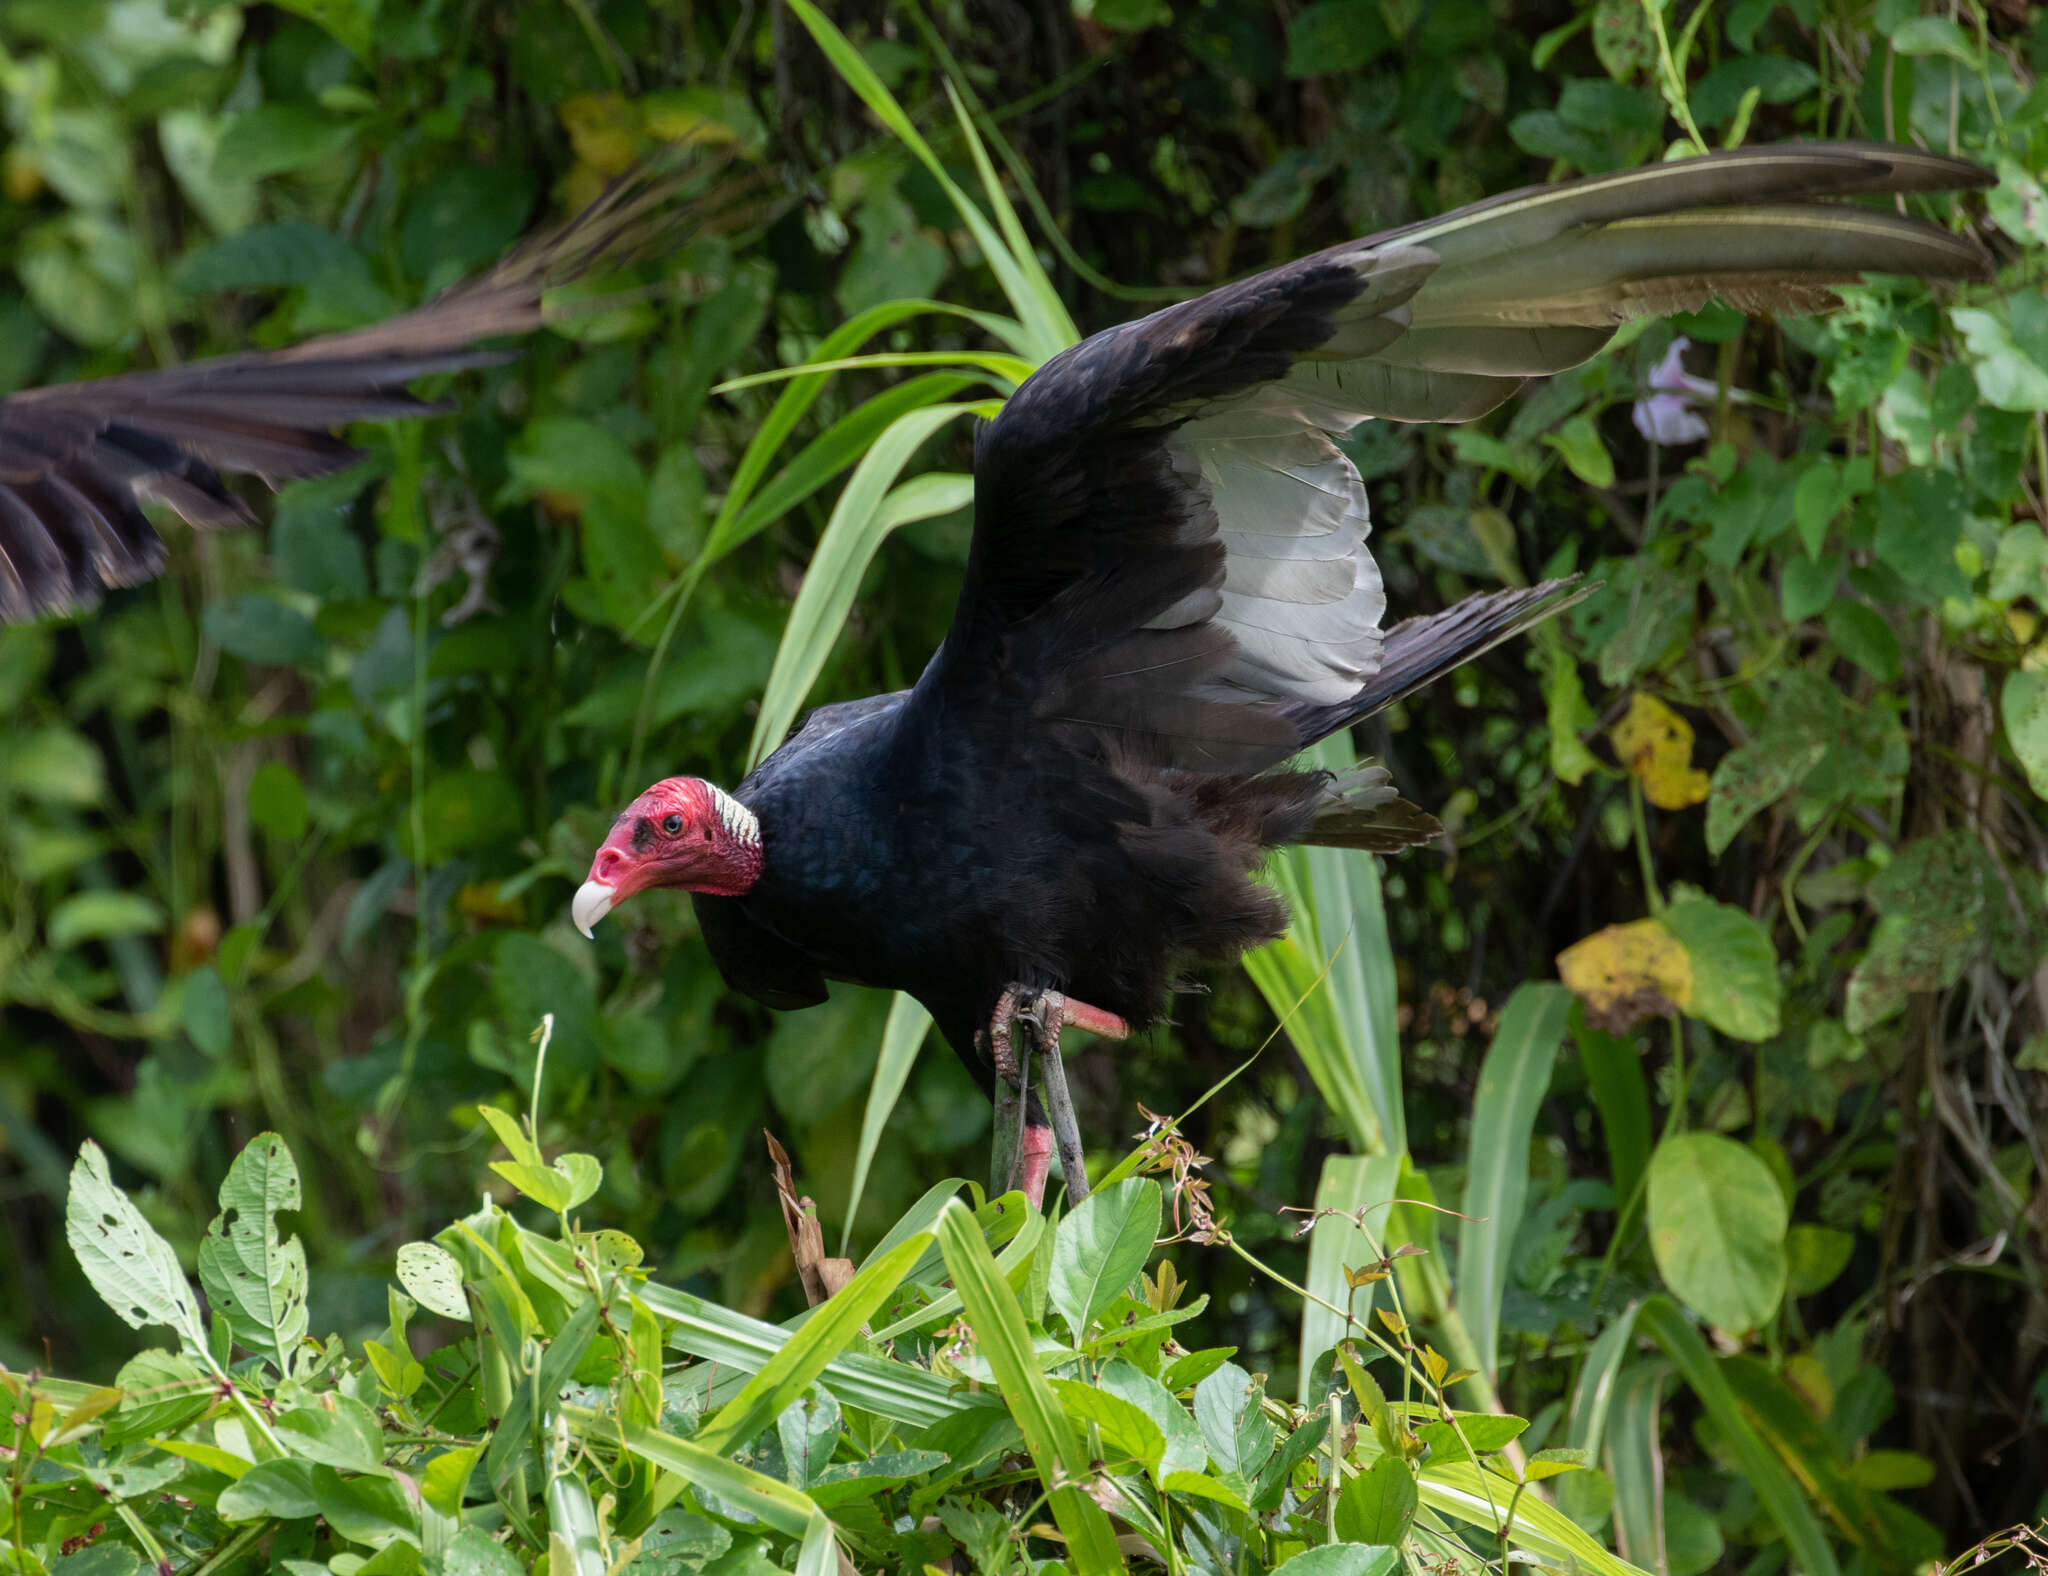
78	460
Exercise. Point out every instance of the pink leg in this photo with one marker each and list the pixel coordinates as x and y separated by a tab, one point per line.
1035	1162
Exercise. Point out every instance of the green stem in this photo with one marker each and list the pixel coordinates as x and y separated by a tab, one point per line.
1641	823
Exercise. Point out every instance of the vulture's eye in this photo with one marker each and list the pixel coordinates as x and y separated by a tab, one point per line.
672	824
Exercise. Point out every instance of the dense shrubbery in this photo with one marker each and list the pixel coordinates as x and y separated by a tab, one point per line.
288	838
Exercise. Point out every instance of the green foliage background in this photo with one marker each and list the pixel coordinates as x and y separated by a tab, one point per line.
288	837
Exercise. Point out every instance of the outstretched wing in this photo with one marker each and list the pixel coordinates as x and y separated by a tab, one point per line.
1170	547
78	460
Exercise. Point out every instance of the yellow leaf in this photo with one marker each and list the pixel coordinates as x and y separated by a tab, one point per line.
604	129
1626	973
1655	744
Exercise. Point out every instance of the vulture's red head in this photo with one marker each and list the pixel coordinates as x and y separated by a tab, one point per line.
682	832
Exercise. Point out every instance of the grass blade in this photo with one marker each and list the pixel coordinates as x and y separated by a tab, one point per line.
1345	1029
734	1341
1047	298
1455	1489
1636	1459
818	1555
1661	1320
1349	1183
870	506
1512	1083
840	445
1049	1434
805	1356
1010	1262
790	406
1614	1074
1050	332
902	1036
1587	1427
789	1511
1011	369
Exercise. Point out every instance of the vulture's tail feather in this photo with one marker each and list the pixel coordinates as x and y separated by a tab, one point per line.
1362	809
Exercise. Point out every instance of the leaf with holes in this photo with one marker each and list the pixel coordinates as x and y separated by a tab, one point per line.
133	1269
254	1279
433	1278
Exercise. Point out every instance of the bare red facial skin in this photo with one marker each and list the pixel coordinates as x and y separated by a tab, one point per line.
682	832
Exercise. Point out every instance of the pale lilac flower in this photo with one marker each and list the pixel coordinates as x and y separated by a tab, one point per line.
1667	417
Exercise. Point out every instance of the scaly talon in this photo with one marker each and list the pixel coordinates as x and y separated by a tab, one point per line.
1045	1013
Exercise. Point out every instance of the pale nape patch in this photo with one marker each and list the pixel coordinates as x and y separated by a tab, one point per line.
739	822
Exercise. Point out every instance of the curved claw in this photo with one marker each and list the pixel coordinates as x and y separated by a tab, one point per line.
1045	1013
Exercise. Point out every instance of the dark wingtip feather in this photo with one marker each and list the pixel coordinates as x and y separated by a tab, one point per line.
1419	651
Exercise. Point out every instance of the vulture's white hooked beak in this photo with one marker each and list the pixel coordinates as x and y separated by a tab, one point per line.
593	901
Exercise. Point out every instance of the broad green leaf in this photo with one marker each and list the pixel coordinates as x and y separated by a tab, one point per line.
1233	1421
205	1013
370	1510
1579	441
1183	1450
1343	1559
1127	1432
1937	35
1734	968
95	916
1513	1080
54	765
2023	708
1100	1247
133	1269
474	1552
1378	1505
1717	1228
1753	776
1485	1432
1814	1257
254	1278
1335	36
335	1431
277	801
271	139
259	628
283	1489
164	1390
1865	638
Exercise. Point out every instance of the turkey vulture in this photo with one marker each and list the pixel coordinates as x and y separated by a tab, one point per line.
1169	594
